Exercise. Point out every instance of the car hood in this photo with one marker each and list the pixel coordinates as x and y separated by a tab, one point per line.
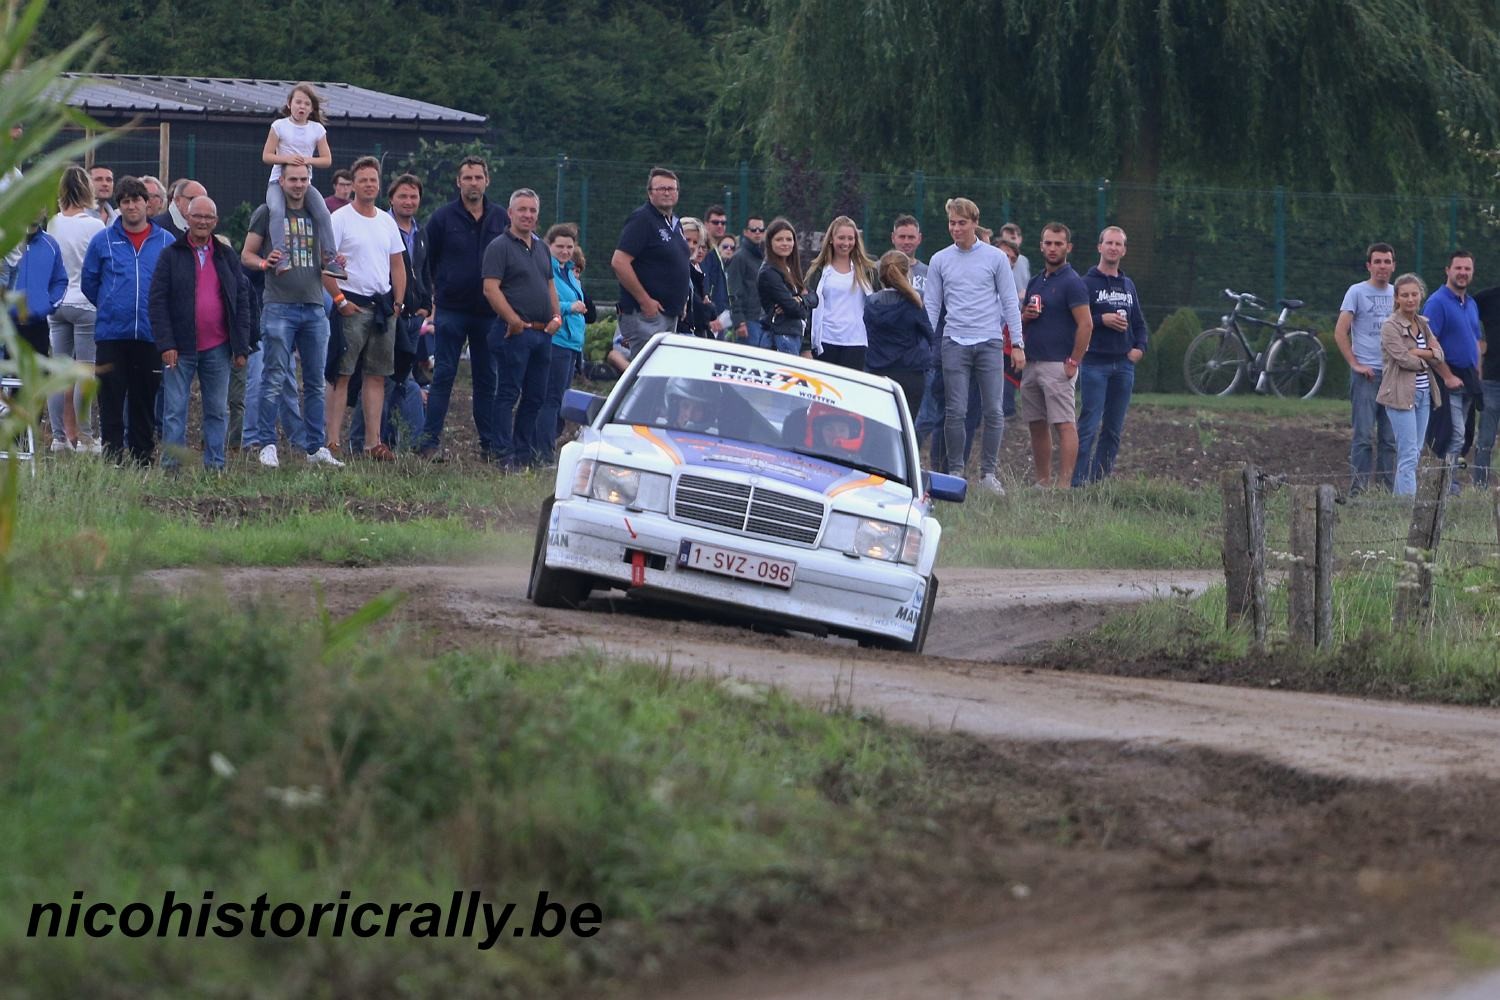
704	451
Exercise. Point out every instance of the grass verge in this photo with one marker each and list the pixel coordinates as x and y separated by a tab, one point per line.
1458	661
151	744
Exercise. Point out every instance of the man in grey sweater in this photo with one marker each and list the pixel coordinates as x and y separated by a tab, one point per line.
740	275
974	282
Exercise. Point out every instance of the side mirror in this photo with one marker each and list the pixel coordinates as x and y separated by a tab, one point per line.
940	487
581	407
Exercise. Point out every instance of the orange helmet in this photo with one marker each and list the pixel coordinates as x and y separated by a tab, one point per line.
820	415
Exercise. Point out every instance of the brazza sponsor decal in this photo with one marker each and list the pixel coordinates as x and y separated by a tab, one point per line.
790	380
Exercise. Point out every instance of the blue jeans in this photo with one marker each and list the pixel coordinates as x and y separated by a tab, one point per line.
402	416
212	369
564	361
933	412
1105	391
303	327
1410	428
523	362
984	363
785	344
291	410
1372	453
1484	440
755	334
454	330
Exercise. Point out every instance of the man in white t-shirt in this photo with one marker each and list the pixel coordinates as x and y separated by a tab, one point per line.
369	300
1372	454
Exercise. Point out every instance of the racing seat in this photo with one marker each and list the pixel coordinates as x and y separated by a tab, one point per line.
794	429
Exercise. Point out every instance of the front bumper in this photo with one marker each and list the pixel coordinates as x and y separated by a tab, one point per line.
830	592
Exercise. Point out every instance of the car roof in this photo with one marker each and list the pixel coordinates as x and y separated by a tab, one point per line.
760	354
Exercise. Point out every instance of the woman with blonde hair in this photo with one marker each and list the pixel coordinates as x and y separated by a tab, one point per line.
843	276
1409	388
71	327
902	345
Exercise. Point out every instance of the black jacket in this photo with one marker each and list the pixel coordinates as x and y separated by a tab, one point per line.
900	335
418	275
741	277
783	312
172	302
456	242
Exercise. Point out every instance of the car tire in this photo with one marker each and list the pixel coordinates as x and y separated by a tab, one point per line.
553	588
919	636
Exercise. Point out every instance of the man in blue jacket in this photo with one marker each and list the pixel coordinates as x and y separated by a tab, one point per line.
1107	376
457	235
116	278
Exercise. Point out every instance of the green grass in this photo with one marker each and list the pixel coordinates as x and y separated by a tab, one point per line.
1458	660
84	515
1270	406
684	808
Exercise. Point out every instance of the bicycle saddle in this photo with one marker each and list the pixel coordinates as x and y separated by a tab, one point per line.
1291	303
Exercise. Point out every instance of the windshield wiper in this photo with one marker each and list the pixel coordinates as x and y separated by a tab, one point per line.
853	464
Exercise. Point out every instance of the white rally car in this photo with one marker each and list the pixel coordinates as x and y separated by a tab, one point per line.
774	486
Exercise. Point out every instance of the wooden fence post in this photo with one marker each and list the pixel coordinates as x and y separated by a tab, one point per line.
1310	582
1244	550
1414	580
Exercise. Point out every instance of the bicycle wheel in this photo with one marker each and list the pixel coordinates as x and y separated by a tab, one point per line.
1295	365
1214	363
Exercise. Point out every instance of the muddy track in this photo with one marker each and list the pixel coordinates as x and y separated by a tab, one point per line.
1261	843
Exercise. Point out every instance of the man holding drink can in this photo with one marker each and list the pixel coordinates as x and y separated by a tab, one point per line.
1057	324
1107	377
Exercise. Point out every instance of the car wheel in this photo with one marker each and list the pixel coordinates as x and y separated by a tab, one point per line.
553	588
919	636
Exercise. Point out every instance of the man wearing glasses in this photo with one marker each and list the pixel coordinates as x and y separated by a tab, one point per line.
651	262
744	298
715	284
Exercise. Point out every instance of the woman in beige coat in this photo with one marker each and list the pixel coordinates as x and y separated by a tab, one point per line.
1410	388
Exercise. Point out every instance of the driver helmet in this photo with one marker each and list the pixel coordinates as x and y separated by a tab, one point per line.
706	396
850	427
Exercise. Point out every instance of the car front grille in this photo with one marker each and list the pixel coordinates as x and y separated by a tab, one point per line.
748	510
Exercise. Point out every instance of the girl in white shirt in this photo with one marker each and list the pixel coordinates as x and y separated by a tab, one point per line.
71	327
843	275
299	137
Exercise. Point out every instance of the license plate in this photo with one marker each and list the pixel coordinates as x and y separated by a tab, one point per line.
742	565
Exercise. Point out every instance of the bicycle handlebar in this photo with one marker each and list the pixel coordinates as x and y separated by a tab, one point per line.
1245	298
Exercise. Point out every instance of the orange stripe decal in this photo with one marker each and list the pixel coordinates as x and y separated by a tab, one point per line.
652	436
857	484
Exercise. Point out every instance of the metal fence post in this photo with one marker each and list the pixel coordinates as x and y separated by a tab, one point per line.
729	208
744	194
919	191
583	210
1280	269
1101	204
192	156
562	170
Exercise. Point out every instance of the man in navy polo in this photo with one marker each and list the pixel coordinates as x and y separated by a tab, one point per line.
651	262
457	235
1454	317
1058	325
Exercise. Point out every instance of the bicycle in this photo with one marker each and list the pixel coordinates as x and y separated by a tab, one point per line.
1292	365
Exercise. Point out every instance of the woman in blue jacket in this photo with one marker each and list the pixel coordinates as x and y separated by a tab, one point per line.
902	344
567	342
38	283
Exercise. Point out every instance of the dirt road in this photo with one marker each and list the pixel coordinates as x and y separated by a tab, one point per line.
1295	844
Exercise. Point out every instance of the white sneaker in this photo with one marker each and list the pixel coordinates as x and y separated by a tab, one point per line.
324	457
992	483
61	444
268	457
89	445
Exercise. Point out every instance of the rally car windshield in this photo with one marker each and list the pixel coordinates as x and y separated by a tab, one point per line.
779	405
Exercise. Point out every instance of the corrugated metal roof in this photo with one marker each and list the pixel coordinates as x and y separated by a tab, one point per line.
188	95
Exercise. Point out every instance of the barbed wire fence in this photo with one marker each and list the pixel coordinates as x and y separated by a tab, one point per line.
1401	563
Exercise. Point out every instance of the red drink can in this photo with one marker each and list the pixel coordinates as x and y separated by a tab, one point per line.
1035	302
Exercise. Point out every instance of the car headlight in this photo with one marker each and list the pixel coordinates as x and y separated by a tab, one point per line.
619	484
878	539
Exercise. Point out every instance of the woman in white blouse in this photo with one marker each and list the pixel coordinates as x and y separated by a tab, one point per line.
843	275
